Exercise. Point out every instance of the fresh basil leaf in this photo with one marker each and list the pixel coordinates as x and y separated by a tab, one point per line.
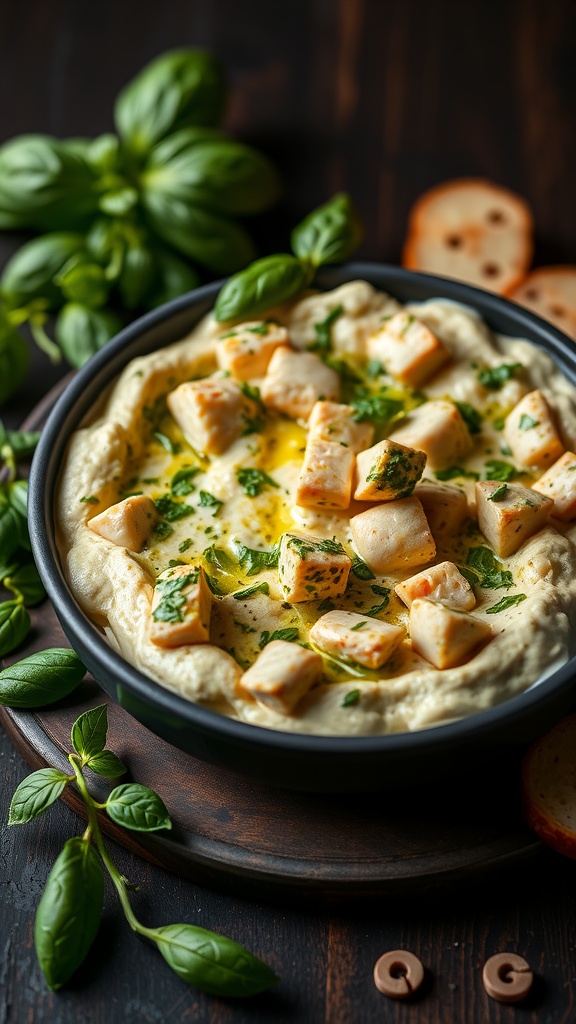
81	332
136	275
14	357
221	175
21	442
329	234
208	500
41	679
84	282
210	239
179	88
46	184
11	530
489	569
107	764
506	602
89	731
264	283
469	574
68	915
212	963
29	274
36	794
172	277
254	481
137	808
172	597
24	580
351	699
14	626
289	634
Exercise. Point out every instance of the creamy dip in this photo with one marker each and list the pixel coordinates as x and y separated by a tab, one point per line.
213	515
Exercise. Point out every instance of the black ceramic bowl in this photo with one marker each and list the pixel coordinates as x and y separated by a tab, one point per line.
319	763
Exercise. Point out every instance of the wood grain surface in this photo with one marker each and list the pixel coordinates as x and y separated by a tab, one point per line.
385	98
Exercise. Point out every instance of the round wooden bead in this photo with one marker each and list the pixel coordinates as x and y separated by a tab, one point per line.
398	974
507	977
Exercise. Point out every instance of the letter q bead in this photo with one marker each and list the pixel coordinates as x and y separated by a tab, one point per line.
398	974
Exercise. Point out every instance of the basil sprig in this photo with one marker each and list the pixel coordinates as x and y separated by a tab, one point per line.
327	235
69	912
120	212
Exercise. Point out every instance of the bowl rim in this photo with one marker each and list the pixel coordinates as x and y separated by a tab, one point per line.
65	417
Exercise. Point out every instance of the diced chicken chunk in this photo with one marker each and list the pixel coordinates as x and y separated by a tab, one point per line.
407	349
325	479
443	636
211	413
331	421
508	514
559	483
281	675
388	471
360	638
181	607
531	433
128	524
296	380
443	583
445	507
311	569
438	429
393	536
246	350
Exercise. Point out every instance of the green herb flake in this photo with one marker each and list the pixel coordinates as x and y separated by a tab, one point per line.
471	416
256	588
498	469
254	481
208	500
327	605
172	510
254	562
499	493
252	392
452	472
526	422
377	608
162	530
494	378
351	699
361	570
185	545
181	483
172	600
506	602
489	569
289	634
377	408
90	499
359	625
374	368
323	331
164	441
261	329
376	588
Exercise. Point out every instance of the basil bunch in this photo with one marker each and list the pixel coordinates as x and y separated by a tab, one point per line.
327	235
69	912
124	213
18	574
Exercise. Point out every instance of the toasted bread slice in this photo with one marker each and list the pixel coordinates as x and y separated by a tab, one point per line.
472	230
549	787
551	293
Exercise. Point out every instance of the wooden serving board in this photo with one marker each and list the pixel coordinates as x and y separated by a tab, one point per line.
238	835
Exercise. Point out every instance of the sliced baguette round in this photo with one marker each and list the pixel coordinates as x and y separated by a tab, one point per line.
551	293
549	787
472	230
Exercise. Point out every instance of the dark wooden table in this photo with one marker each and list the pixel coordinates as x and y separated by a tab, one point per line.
384	98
